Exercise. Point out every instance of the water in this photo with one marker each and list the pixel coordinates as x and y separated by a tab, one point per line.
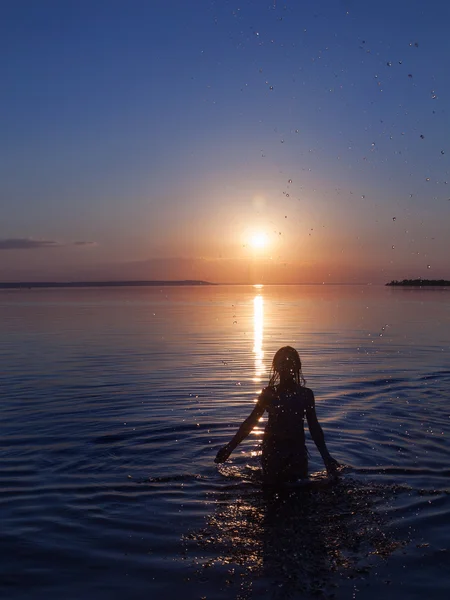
115	401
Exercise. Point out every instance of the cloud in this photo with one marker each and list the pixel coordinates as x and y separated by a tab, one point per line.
26	244
30	244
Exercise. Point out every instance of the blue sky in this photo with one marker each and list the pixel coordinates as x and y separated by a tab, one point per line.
147	138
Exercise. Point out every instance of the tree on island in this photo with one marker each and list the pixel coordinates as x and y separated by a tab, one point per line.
420	282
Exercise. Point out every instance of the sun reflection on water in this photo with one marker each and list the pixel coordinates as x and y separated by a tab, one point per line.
258	334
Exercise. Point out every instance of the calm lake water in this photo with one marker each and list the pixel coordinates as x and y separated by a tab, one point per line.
115	401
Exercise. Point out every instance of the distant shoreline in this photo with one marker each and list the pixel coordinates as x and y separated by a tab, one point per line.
97	284
161	283
419	283
28	285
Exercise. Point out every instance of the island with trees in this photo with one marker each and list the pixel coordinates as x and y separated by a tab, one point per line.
419	283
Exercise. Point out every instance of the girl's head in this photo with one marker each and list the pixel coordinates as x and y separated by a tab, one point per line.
286	367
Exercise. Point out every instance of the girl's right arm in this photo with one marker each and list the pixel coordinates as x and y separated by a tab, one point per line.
244	429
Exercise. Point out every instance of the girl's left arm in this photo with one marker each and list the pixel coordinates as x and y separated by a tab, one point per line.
317	435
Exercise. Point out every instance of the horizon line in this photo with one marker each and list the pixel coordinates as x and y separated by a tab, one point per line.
154	282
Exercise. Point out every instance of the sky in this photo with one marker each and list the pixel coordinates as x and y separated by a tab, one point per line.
252	141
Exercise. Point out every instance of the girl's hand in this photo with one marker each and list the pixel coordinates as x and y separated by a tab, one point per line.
223	454
331	465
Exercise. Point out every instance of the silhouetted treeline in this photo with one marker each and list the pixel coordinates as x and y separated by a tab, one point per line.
420	282
78	284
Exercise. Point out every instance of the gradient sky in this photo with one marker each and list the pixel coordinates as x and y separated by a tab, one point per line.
150	139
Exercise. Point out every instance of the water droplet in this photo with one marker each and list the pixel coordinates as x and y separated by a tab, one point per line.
410	75
271	87
427	179
234	322
296	131
394	218
400	62
282	141
428	266
393	247
389	64
289	180
287	195
363	196
442	152
285	216
416	44
410	195
422	137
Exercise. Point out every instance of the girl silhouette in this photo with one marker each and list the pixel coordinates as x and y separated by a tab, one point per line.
287	400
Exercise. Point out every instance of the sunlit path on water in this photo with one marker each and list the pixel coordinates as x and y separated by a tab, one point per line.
258	336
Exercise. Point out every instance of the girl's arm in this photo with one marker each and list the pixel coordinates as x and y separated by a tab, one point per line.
317	435
243	430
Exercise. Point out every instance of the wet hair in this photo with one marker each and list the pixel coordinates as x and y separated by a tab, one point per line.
286	362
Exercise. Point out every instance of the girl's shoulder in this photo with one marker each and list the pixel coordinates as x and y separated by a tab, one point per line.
268	394
305	395
306	391
269	391
309	397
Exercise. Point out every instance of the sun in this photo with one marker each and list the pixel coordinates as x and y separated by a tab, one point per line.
258	240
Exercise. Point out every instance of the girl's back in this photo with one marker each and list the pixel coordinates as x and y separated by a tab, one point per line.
286	407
